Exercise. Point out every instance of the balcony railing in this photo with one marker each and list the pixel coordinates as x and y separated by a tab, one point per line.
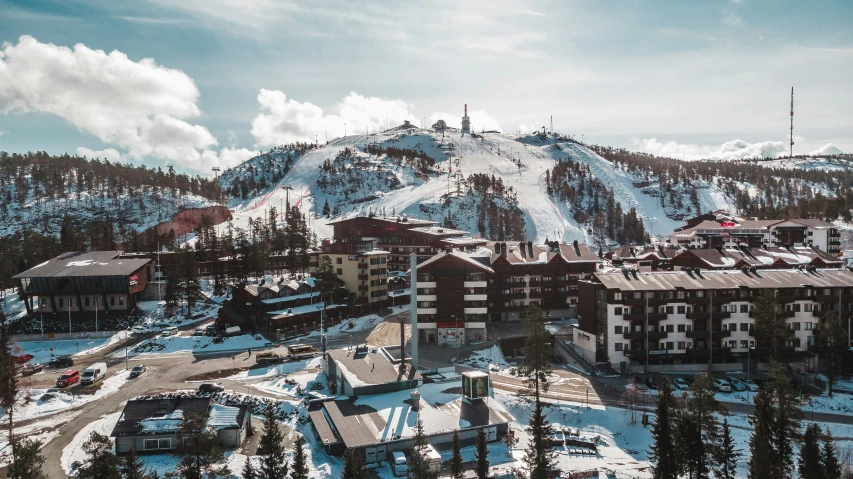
703	334
707	351
705	315
641	353
634	301
642	317
641	335
521	295
362	277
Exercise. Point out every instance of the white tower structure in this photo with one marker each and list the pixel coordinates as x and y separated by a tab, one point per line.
466	122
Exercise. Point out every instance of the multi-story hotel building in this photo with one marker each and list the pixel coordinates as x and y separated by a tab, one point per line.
361	266
735	232
459	292
679	320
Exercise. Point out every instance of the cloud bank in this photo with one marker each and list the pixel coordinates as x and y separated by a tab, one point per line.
140	107
730	150
828	149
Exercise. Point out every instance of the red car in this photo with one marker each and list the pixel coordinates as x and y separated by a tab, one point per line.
68	378
23	358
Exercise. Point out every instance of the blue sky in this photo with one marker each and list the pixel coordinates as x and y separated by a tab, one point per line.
202	83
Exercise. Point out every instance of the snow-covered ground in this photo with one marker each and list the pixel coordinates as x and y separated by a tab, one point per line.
73	452
43	351
164	345
155	312
13	306
43	403
287	386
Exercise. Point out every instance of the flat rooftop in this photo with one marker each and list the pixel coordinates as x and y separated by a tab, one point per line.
379	418
78	263
366	366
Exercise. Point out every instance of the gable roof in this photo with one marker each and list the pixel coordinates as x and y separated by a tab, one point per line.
458	255
158	416
725	279
78	263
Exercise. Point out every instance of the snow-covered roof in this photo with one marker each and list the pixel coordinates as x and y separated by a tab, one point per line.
93	263
455	254
224	417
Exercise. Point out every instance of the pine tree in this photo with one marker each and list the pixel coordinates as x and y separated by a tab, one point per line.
249	471
482	467
8	380
760	442
132	467
27	461
536	368
457	470
199	450
326	208
831	465
273	465
418	467
810	464
662	452
349	471
727	455
834	347
771	329
100	462
703	406
786	425
299	470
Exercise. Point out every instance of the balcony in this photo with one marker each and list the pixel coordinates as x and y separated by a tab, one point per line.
786	314
704	352
642	317
641	353
534	282
535	294
362	288
634	302
362	265
521	295
705	315
641	335
703	300
703	334
826	298
362	277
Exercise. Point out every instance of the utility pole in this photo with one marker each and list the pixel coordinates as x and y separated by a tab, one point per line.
791	152
287	189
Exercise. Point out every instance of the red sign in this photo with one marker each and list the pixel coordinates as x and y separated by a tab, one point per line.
727	224
451	324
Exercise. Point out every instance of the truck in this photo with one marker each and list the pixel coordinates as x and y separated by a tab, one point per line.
269	358
301	351
93	373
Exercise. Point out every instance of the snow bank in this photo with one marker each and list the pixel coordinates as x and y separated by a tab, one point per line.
43	404
164	345
73	452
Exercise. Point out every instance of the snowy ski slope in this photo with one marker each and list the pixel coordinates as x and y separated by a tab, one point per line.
491	154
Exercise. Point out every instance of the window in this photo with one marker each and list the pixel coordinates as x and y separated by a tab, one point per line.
617	296
61	302
153	444
339	261
87	301
744	343
808	326
617	311
744	326
670	345
795	326
681	328
681	344
618	346
732	344
744	308
808	307
681	309
617	329
669	328
670	309
796	307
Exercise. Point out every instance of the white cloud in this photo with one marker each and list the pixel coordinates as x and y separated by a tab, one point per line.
140	107
730	150
731	18
284	120
110	154
828	149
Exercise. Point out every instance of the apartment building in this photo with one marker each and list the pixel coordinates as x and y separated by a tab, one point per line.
761	258
401	236
681	320
726	232
459	292
361	266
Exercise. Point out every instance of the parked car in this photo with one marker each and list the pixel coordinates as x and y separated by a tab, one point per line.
210	388
68	378
722	385
750	384
198	332
140	329
137	371
680	383
399	466
269	358
30	369
93	373
736	383
61	361
210	330
169	331
652	382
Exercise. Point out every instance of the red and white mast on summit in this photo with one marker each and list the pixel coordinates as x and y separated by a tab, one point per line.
791	145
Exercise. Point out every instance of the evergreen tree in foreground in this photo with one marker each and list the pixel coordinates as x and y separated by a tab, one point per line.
831	465
482	467
249	471
810	464
199	450
273	465
27	461
457	469
132	467
760	446
100	463
535	369
727	455
300	463
418	467
662	453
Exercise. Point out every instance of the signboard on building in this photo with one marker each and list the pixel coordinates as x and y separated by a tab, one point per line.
475	384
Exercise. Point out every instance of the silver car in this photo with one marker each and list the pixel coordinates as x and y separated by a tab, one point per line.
722	386
736	383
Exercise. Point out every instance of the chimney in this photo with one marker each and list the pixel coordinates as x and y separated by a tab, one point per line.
416	400
413	267
466	109
530	249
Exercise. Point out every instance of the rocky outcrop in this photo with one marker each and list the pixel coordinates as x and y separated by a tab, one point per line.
188	220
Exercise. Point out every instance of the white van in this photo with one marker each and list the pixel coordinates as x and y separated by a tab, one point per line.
432	457
93	373
170	331
233	331
398	464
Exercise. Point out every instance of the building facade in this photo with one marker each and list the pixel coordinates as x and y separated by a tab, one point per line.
682	320
735	232
361	267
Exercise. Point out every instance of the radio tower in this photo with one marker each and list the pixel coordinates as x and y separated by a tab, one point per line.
791	152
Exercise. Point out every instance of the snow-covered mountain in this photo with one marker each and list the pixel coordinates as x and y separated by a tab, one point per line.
427	174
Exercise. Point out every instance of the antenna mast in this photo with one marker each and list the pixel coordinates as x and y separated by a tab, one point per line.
791	152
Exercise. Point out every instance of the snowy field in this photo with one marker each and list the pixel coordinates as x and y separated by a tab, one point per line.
41	350
181	345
